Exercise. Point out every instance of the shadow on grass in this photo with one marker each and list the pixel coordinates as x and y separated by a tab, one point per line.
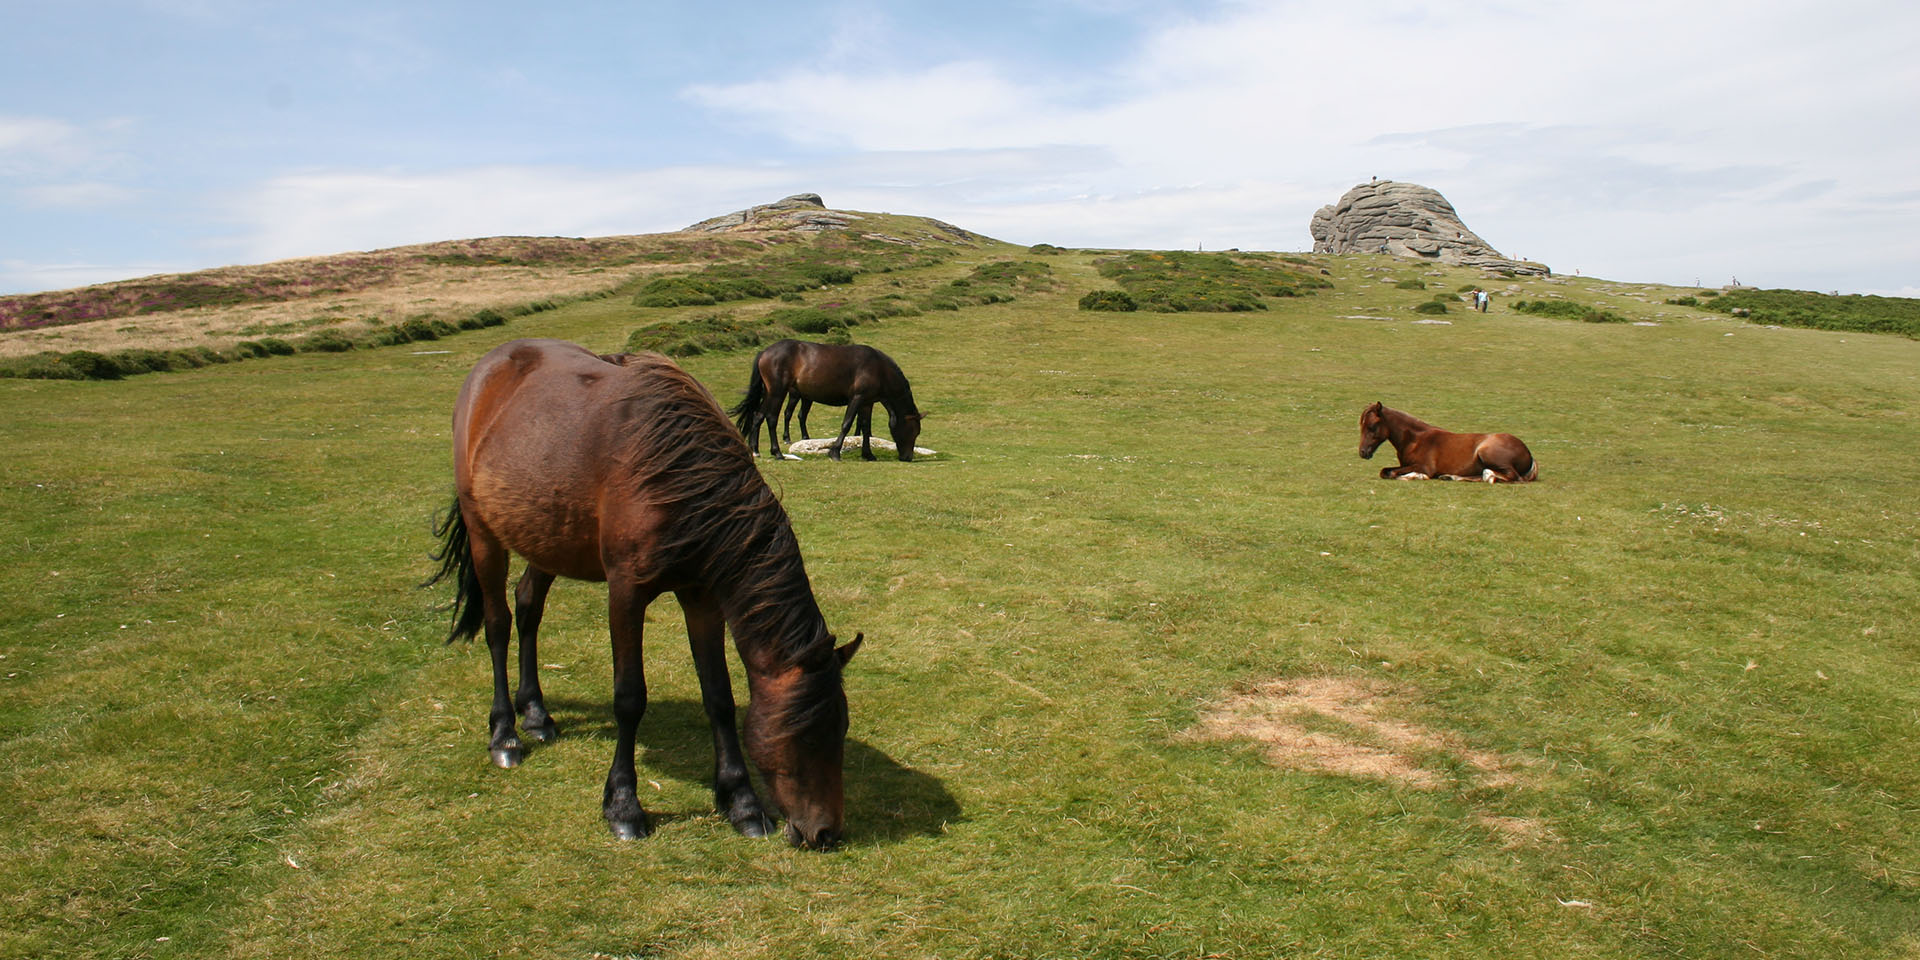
886	801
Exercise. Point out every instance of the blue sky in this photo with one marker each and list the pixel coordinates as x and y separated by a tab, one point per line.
1669	141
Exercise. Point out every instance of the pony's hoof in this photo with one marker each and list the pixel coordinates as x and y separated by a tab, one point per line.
541	733
626	828
506	757
755	824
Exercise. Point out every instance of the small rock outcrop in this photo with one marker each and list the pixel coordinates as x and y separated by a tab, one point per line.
802	211
1407	220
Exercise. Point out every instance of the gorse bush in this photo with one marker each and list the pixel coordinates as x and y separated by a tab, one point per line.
1823	311
1112	300
1567	310
826	261
1175	282
726	332
326	341
1411	285
1430	306
994	282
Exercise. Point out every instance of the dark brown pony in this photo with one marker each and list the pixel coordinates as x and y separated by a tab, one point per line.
624	469
850	375
1428	452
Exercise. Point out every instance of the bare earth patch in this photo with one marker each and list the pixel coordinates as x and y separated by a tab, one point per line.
1337	726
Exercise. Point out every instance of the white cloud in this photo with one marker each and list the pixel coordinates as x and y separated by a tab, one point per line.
1637	136
77	195
33	143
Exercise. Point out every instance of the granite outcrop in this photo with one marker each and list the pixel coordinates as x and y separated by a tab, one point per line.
1411	221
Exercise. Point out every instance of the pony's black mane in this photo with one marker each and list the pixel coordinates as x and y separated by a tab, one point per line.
728	530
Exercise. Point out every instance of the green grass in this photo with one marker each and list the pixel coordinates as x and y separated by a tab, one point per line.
1691	646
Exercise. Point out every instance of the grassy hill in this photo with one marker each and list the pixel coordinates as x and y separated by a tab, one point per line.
1156	666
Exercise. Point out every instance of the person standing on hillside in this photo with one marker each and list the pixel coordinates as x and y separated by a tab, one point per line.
1480	298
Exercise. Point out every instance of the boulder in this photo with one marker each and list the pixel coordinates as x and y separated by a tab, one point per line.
802	211
1407	220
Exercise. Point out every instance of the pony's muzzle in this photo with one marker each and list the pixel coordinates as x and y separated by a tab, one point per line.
823	839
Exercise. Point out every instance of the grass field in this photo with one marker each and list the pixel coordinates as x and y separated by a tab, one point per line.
1155	665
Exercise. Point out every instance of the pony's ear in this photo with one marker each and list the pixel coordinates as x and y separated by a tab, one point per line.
845	653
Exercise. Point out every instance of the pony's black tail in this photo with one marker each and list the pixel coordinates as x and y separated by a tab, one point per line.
749	407
455	557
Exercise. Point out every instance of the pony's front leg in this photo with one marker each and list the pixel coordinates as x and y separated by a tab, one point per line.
626	612
846	426
866	432
1402	472
733	792
529	603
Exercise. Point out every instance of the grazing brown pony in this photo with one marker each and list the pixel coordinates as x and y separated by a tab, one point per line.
1428	452
849	375
624	469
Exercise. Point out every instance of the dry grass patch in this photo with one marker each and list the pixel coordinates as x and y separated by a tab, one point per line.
1344	727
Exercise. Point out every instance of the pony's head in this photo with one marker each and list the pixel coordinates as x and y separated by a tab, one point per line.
797	735
906	431
1373	429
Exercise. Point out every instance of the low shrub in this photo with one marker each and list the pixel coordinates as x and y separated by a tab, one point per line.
1175	282
76	365
1823	311
717	332
807	319
1431	306
1411	285
324	341
994	282
1567	310
1046	249
1684	301
673	292
1113	300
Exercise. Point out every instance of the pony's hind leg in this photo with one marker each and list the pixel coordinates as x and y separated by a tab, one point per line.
529	603
733	792
786	419
490	565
